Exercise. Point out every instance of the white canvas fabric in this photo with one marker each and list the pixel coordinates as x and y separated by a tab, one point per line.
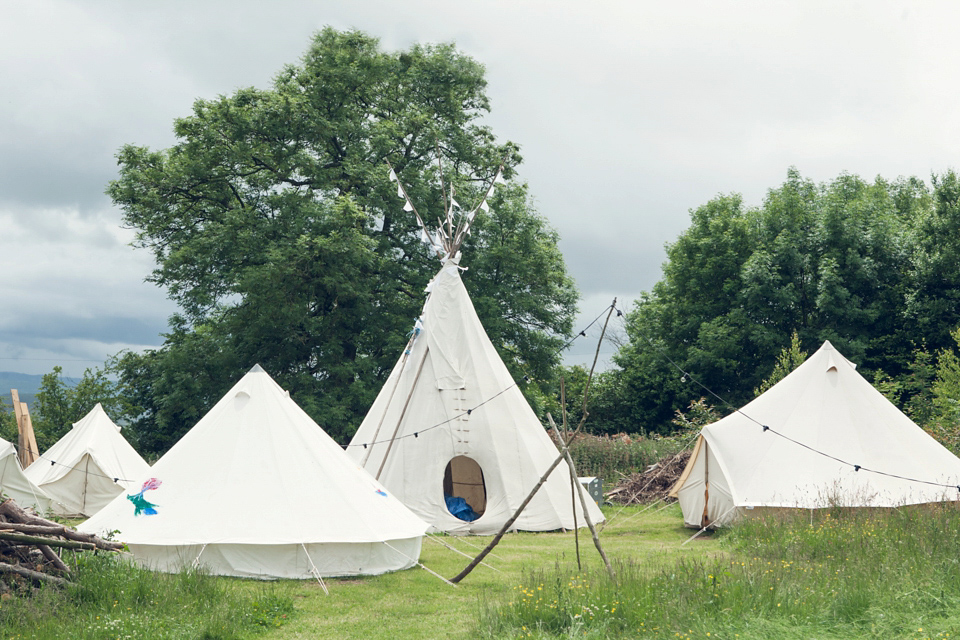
824	405
15	484
257	489
419	423
88	467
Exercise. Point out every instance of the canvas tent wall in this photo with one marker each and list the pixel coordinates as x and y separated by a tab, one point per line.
15	484
451	421
257	489
824	420
88	467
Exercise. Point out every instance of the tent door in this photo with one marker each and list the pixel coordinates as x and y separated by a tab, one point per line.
463	478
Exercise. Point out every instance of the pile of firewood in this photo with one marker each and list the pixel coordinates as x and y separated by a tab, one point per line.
653	483
27	544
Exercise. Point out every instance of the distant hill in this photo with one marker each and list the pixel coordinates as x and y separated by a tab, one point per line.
26	385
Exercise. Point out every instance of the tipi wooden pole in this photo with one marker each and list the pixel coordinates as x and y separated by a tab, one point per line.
376	434
576	529
403	413
566	450
573	483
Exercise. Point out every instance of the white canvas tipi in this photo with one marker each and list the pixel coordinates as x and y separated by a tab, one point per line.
15	484
257	489
822	436
451	432
88	467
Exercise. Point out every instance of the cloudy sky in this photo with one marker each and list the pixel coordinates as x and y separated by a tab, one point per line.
628	113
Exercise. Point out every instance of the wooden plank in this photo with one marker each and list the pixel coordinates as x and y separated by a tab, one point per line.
30	450
18	413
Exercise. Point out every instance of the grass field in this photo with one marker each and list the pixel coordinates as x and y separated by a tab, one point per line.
416	604
862	574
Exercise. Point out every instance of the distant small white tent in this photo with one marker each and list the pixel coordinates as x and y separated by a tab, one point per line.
822	436
88	467
15	484
257	489
450	431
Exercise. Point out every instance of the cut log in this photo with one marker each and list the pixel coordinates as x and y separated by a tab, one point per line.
33	575
53	558
19	538
19	520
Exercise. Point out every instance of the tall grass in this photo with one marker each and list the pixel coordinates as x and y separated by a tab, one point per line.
113	599
837	574
610	457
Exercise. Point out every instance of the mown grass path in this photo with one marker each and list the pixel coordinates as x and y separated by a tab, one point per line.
415	604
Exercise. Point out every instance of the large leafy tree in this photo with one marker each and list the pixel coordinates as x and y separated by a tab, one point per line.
839	261
275	228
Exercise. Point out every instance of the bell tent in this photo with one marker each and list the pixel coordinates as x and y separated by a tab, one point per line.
257	489
15	484
822	436
88	467
450	433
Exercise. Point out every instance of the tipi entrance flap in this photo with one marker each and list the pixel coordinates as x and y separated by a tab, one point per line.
463	478
687	470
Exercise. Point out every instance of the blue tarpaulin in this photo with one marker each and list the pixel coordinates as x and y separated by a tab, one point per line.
459	507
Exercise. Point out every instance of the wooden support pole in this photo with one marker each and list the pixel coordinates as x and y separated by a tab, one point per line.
583	501
33	451
27	451
403	413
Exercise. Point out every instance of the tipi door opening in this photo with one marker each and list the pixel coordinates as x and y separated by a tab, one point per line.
463	488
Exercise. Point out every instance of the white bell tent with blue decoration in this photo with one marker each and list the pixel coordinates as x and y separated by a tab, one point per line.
450	433
257	489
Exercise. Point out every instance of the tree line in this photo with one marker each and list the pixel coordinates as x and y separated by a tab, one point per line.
874	267
276	230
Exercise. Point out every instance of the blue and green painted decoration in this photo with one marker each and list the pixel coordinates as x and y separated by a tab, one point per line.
140	504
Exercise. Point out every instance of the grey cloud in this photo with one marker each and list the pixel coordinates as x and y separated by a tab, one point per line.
628	115
41	330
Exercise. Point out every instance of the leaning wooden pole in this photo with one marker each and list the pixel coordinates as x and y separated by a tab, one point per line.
583	504
573	476
509	523
566	450
563	456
